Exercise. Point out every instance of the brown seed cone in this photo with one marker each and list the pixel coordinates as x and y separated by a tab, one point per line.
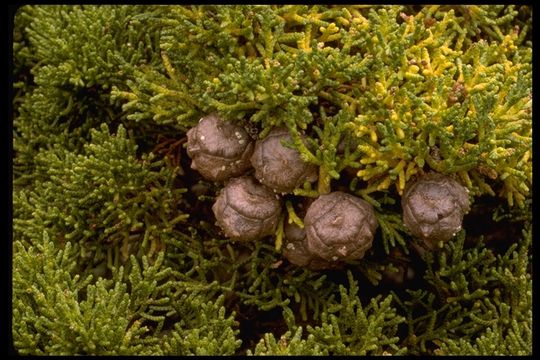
279	167
433	208
339	226
295	250
246	210
219	149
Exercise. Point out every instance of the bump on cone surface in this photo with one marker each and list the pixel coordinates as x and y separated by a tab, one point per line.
296	251
219	149
433	208
339	226
246	210
279	167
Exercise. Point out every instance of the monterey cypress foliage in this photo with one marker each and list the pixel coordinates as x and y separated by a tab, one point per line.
116	249
77	316
111	203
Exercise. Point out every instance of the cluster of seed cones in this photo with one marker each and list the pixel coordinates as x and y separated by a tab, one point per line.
337	226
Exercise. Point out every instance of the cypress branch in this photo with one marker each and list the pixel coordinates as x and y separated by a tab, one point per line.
115	246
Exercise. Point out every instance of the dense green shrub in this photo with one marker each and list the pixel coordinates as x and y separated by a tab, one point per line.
115	250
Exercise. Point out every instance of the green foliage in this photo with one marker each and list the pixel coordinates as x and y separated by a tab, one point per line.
346	328
56	32
254	275
290	343
209	331
450	105
60	313
22	50
353	329
115	250
517	340
74	54
475	297
507	315
492	22
110	202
